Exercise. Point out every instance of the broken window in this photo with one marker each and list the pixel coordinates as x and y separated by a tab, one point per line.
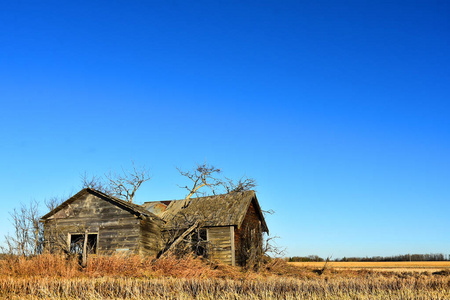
77	243
199	242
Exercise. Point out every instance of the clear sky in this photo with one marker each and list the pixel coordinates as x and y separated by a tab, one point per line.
339	109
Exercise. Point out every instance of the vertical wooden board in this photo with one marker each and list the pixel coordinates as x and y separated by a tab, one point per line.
233	251
220	240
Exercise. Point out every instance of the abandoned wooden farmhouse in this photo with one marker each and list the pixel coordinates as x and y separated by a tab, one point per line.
225	227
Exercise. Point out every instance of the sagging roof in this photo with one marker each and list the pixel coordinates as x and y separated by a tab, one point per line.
135	209
219	210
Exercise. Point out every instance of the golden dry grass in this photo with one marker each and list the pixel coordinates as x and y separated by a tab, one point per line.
374	287
133	277
393	266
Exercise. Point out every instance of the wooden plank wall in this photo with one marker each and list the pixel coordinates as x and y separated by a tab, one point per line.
221	244
116	228
150	237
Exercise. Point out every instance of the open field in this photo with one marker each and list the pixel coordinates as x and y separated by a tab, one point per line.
393	266
133	277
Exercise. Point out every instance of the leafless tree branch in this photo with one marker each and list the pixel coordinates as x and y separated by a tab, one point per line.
53	202
28	232
95	183
126	184
122	185
201	176
271	248
243	184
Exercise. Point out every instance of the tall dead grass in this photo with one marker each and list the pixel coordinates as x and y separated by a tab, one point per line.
61	266
44	265
133	277
213	288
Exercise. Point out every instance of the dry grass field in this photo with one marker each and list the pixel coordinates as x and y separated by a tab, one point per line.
390	266
118	277
374	288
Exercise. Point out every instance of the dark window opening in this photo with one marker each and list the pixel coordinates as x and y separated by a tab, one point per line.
199	242
77	243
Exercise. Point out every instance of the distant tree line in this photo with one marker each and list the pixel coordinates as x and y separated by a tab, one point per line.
305	258
403	257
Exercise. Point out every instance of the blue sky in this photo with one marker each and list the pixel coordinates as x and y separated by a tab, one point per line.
339	109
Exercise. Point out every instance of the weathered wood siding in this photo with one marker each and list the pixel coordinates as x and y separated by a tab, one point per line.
244	236
117	228
150	237
221	244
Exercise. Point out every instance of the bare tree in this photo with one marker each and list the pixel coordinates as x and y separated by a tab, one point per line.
122	185
28	232
33	215
184	236
243	184
95	183
271	248
55	238
201	176
54	202
19	242
206	175
126	184
187	234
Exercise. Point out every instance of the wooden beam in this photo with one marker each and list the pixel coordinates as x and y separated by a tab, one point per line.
233	252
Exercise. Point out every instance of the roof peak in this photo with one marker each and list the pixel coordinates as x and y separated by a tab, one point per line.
132	207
